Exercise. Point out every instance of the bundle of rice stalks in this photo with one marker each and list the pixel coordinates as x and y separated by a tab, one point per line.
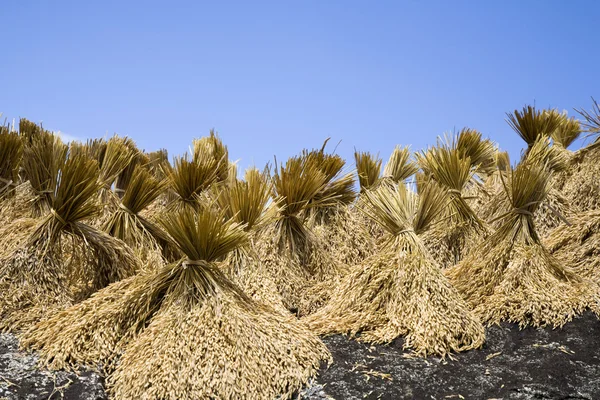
401	290
295	186
511	276
158	163
185	331
126	223
592	118
580	183
29	130
92	148
368	169
461	229
293	255
567	132
42	160
247	203
34	278
137	158
116	158
189	179
578	244
211	148
11	151
399	166
531	124
482	152
337	190
555	209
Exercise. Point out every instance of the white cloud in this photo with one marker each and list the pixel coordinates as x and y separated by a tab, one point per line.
68	138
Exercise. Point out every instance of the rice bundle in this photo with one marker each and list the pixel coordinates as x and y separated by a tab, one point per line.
399	166
401	290
294	256
368	169
185	331
211	149
126	223
337	190
555	209
531	124
43	158
511	276
189	179
117	157
11	151
34	278
247	203
580	186
462	229
482	152
578	244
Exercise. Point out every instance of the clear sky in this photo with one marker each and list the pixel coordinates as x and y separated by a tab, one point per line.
276	77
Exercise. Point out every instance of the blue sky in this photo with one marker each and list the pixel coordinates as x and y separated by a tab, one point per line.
276	77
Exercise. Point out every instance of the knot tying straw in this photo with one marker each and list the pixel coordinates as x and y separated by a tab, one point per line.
522	211
406	231
455	191
191	263
123	207
58	217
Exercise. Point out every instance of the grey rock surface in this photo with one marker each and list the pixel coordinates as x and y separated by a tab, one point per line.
20	378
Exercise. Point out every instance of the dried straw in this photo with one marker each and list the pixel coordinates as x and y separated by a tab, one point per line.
578	244
43	158
511	276
210	149
368	169
184	331
11	151
126	223
37	273
401	290
189	179
461	227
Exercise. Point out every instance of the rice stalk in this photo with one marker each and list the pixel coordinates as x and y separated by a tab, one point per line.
42	160
337	189
399	166
567	132
137	158
189	179
400	290
211	149
185	327
511	276
138	232
592	119
530	123
368	169
11	152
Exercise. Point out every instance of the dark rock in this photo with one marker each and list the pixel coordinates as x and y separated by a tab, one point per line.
20	378
513	364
